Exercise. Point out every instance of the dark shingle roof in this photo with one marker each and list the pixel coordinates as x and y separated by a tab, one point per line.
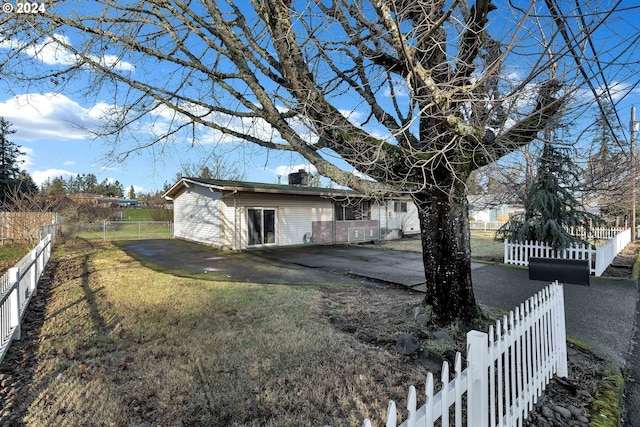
259	187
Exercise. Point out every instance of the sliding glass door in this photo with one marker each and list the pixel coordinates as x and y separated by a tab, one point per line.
261	226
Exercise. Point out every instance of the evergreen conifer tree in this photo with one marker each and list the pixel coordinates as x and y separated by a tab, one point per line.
552	210
9	163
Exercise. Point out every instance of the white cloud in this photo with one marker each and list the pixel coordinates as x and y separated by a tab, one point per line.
400	89
40	177
361	175
138	189
51	116
617	89
52	51
26	159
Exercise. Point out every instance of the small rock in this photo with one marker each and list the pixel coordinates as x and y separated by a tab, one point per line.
423	319
432	362
578	423
407	344
442	335
575	412
547	412
564	412
583	419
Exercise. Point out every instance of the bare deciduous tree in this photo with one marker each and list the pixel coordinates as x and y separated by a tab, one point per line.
433	89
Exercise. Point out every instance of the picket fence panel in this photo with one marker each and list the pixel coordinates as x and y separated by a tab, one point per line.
606	253
17	286
507	370
597	233
600	258
486	225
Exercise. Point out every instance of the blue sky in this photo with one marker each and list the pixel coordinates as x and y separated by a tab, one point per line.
49	129
52	123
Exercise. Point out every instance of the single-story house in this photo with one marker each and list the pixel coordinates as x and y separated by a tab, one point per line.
490	208
100	201
238	215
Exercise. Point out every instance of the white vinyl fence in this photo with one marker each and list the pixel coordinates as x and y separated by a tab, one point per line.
599	258
507	370
17	286
597	233
485	225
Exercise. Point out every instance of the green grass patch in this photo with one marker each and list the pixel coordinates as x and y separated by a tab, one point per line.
124	230
579	343
147	214
606	409
635	273
13	251
10	254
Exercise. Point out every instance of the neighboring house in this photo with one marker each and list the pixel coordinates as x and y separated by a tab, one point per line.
238	215
488	208
100	201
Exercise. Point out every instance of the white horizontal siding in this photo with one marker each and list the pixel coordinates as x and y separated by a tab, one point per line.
389	219
294	215
197	215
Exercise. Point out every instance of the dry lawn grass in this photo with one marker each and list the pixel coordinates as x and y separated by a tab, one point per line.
483	245
118	344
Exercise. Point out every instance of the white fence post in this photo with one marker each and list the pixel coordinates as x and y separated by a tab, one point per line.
560	333
14	302
506	251
478	391
33	271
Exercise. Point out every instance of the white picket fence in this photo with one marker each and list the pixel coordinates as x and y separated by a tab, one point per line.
485	225
17	286
507	370
599	258
597	233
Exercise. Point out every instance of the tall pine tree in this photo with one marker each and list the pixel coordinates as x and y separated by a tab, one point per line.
9	163
551	208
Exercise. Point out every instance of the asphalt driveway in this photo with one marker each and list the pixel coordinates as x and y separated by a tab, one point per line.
602	314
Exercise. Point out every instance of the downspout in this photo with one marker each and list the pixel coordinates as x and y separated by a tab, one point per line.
235	220
234	244
379	220
333	222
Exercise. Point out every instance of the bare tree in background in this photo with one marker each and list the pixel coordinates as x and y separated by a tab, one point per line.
217	168
26	216
608	171
411	95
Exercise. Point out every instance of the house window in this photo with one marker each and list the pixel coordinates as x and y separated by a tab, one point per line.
261	226
346	211
400	207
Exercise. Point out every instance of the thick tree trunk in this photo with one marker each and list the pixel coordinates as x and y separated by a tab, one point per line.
444	225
